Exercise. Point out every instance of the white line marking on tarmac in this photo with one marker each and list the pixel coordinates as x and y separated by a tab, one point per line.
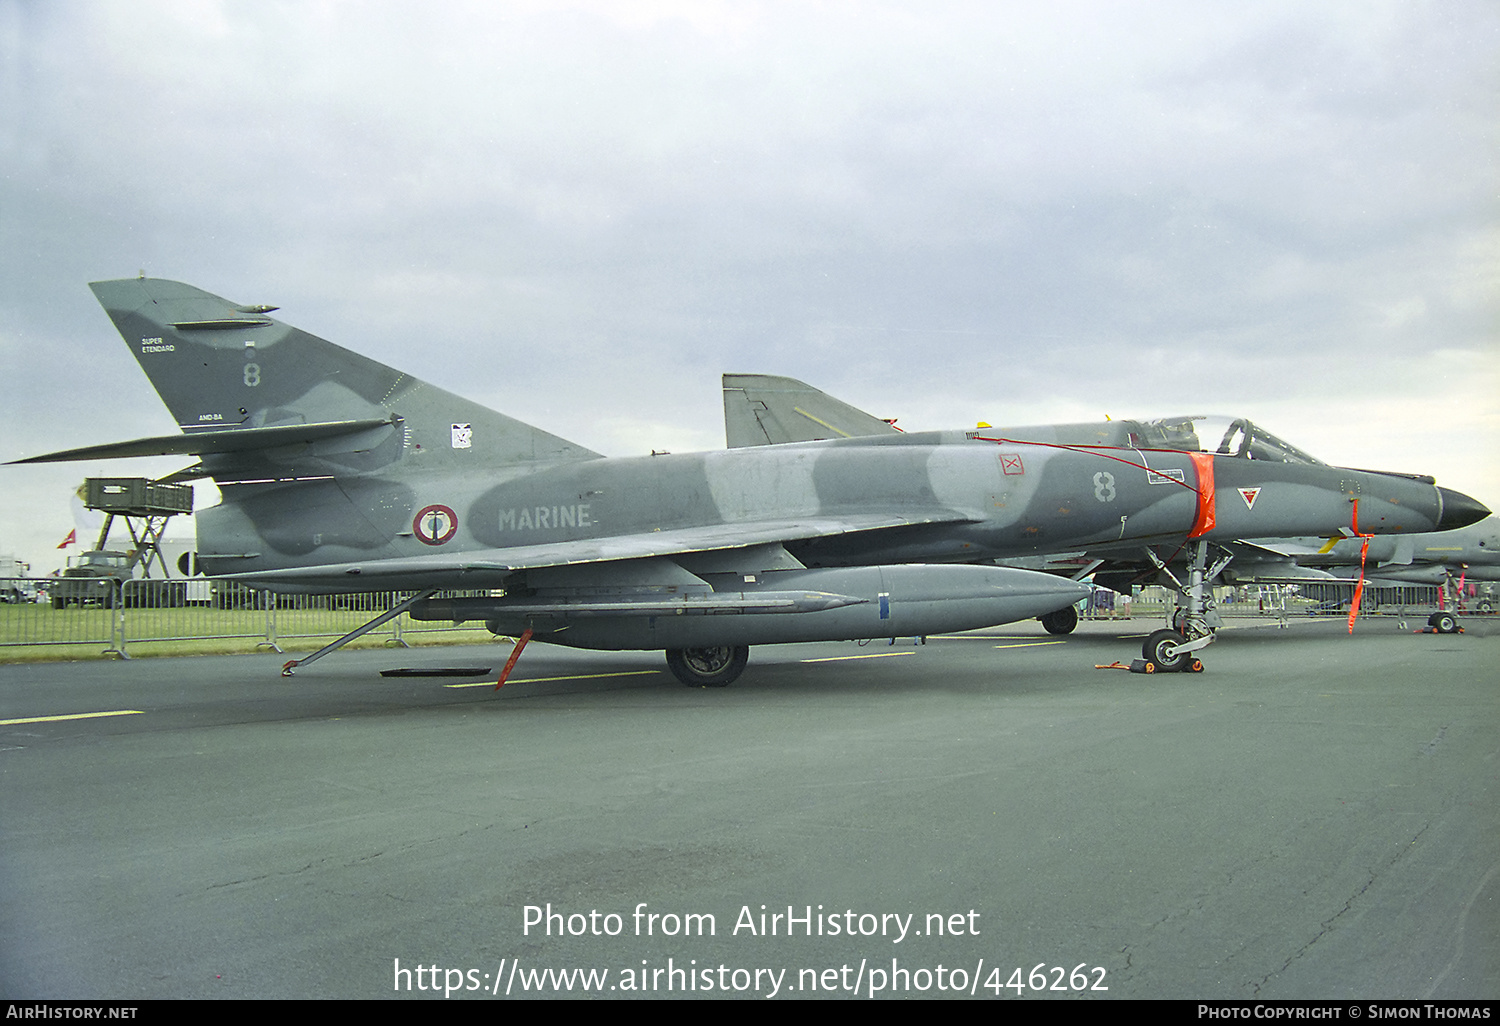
574	676
867	655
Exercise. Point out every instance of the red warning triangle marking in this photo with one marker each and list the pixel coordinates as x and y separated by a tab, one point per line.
1249	495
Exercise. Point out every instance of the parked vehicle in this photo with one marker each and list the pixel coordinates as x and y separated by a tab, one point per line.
15	586
92	578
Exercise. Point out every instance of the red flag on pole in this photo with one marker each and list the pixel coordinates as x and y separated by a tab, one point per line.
71	539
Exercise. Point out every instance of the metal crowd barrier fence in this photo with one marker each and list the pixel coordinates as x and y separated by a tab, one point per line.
1284	602
83	618
194	615
28	616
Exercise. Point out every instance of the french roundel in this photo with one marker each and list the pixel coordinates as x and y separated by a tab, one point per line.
435	525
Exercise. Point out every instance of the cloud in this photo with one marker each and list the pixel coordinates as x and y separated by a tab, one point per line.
583	212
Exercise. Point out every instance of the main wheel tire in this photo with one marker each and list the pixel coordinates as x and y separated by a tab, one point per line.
1445	623
1062	621
1155	651
708	667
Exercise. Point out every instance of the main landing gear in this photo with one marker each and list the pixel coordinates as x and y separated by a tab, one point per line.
1061	622
708	667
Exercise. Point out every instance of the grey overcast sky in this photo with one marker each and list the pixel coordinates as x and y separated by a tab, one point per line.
582	213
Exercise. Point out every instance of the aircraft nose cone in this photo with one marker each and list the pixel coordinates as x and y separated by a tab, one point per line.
1459	510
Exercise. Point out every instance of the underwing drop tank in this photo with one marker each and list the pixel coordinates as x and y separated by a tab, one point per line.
839	604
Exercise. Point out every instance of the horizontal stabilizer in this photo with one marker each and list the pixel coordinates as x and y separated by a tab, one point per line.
221	441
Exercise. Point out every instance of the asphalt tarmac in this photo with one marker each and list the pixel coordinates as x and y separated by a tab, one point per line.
987	816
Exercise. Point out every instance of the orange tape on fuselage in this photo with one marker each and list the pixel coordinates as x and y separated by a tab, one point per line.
1204	463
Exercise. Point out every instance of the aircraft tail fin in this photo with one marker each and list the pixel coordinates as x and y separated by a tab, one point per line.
268	399
763	409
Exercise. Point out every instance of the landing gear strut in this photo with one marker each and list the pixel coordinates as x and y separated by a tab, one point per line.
708	667
1445	621
1171	651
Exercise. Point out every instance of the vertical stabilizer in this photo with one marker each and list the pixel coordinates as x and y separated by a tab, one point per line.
763	409
222	367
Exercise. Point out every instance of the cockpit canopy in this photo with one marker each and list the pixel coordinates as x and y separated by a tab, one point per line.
1224	436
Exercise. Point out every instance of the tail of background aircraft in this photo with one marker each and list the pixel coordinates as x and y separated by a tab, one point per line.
764	409
260	399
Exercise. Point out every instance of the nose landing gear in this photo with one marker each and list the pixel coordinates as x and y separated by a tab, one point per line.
1172	651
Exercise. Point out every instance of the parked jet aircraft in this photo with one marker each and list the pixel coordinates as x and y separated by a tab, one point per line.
1473	552
1437	558
1446	559
1442	559
762	409
340	474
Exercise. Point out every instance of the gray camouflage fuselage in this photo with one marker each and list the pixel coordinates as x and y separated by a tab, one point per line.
340	474
955	501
